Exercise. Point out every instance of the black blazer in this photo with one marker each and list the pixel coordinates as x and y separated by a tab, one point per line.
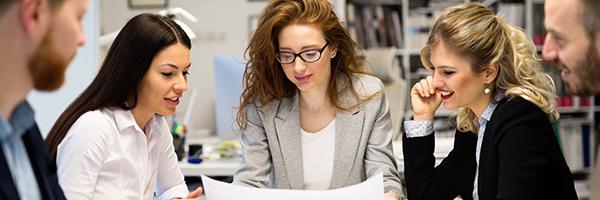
45	171
520	158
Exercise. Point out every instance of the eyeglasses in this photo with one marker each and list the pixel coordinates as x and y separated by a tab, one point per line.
308	56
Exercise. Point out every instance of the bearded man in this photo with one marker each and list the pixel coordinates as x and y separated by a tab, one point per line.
38	40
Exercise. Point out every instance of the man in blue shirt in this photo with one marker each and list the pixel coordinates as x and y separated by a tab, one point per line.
32	32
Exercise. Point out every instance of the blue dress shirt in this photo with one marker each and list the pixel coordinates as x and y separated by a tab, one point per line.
11	132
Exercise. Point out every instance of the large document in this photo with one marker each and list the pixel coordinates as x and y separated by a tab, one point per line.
371	189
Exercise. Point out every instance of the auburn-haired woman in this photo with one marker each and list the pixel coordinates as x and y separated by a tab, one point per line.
310	118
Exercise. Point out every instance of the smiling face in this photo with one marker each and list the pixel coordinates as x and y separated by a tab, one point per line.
165	81
313	76
570	48
454	78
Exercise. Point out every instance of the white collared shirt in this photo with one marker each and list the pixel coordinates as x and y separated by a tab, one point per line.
105	155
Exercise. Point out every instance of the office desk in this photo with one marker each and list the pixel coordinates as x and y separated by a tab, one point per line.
226	167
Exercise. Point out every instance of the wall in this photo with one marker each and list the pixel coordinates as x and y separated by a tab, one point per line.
48	106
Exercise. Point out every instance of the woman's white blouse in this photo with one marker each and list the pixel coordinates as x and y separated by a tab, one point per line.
105	155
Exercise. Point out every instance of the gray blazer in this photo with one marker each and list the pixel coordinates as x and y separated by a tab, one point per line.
271	143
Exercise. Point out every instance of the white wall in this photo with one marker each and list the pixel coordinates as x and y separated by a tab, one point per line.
48	106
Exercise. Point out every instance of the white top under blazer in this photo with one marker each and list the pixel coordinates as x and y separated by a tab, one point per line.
318	150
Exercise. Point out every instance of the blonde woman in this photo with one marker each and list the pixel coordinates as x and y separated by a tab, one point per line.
310	118
504	147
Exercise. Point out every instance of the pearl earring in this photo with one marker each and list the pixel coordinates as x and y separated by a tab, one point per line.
487	90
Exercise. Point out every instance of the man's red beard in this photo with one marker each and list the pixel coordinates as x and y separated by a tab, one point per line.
47	66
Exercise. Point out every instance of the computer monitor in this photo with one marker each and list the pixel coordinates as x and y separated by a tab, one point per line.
229	71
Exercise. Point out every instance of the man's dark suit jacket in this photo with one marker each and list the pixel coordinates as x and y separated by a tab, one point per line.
45	171
520	158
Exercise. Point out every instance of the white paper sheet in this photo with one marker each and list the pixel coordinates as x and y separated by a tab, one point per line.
370	189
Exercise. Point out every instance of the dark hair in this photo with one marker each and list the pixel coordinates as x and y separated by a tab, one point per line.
4	4
264	79
590	17
124	67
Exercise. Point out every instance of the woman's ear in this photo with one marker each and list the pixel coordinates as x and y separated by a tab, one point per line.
490	73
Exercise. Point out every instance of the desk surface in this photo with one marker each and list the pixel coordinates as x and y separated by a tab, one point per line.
225	167
228	167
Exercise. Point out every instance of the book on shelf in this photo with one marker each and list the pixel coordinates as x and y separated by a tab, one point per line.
351	21
369	26
577	144
355	25
396	30
539	31
575	102
374	26
380	27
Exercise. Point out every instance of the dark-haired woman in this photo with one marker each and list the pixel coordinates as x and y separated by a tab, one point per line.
112	141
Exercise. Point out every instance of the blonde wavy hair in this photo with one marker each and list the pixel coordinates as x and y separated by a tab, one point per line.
475	32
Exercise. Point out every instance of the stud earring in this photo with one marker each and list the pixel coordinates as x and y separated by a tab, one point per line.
487	90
